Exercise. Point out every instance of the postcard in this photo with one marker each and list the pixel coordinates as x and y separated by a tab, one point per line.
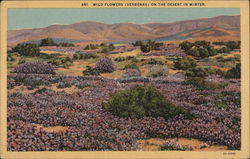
125	79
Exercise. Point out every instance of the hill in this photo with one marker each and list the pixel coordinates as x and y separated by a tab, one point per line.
95	31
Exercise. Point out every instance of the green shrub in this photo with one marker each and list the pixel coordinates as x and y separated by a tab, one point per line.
153	61
21	61
67	64
141	101
39	91
62	62
201	84
131	66
27	49
47	42
88	56
119	59
158	70
134	59
202	71
77	56
91	71
234	72
185	63
63	85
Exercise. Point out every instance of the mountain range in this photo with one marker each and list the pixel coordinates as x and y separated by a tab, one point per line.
220	26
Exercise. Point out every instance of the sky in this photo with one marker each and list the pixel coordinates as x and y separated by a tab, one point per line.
20	18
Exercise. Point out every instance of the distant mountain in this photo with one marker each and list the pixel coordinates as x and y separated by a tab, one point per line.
95	31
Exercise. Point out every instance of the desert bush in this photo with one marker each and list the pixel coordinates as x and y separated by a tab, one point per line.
141	101
66	44
21	61
39	91
107	48
63	85
35	67
230	44
77	56
131	73
34	83
172	146
67	64
131	66
203	72
67	59
64	62
12	56
199	49
133	79
88	56
234	72
185	63
119	59
134	59
105	65
149	45
49	56
201	84
153	61
91	46
91	71
158	70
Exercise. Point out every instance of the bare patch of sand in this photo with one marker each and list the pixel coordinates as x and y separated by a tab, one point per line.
52	128
154	144
131	53
220	68
21	89
56	129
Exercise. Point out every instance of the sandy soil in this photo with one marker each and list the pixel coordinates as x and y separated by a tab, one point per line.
154	144
22	89
52	128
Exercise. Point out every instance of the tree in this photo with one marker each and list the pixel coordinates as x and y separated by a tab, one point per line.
27	49
47	42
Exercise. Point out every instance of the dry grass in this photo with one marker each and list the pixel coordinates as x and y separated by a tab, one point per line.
69	90
125	54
